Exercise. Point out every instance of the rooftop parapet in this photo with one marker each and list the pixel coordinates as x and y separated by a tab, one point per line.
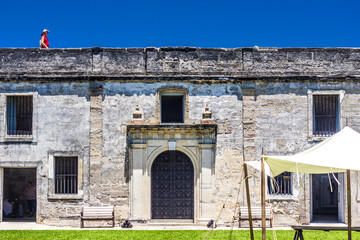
179	62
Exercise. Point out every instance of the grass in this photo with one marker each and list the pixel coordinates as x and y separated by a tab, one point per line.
154	234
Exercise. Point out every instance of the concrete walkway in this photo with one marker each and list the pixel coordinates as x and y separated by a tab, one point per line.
34	226
27	226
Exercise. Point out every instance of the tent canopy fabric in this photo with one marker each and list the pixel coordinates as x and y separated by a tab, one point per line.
257	165
338	153
335	154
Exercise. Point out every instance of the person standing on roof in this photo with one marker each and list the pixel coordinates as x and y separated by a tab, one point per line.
44	42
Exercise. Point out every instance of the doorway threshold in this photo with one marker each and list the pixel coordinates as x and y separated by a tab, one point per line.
326	219
172	222
20	219
330	224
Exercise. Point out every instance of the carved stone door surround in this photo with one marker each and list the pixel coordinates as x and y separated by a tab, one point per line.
146	142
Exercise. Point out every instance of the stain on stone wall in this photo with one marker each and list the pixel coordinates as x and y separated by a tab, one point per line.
71	119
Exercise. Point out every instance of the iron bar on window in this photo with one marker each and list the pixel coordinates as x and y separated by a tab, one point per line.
281	185
19	111
325	115
66	175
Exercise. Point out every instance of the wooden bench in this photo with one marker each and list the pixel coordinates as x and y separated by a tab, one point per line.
299	229
97	213
255	214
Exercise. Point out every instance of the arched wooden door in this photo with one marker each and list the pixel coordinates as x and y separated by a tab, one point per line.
172	186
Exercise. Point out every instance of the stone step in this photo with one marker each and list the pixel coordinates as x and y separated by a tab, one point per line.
175	223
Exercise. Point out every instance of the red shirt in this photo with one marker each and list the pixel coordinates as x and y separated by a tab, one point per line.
46	41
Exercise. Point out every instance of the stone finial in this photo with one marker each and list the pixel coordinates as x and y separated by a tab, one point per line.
137	113
207	116
137	118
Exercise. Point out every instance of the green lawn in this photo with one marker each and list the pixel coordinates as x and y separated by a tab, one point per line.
152	234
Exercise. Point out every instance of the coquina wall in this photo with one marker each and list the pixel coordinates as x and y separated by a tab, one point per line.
84	100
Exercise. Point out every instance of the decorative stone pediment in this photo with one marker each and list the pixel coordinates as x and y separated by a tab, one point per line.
203	133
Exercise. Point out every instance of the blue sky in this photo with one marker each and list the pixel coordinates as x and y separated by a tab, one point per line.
197	23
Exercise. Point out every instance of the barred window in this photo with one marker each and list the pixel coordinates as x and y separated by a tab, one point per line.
282	184
172	108
19	114
66	175
325	116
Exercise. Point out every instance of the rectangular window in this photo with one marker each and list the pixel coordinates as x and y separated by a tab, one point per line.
325	110
281	185
172	108
66	175
19	114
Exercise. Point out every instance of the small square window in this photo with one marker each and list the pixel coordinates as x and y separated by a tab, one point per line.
172	108
326	115
19	115
281	185
66	175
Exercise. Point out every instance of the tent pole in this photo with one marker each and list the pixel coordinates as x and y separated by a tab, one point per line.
248	201
348	202
263	220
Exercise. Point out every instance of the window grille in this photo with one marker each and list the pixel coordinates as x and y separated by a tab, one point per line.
19	111
281	185
66	175
325	115
172	108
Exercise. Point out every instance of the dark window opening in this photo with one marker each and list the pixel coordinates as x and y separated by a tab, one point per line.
281	184
325	115
172	109
19	111
66	175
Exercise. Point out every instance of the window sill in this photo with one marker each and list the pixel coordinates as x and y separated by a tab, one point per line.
65	197
316	138
273	198
18	139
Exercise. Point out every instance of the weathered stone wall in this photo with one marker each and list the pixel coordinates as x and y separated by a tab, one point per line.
84	100
71	118
61	125
179	62
225	104
282	119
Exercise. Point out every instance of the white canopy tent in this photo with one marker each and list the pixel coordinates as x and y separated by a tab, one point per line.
335	154
339	153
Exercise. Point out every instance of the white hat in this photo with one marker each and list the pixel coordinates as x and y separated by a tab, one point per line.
45	30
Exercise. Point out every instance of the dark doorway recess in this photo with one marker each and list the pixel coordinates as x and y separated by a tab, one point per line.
15	182
172	186
325	203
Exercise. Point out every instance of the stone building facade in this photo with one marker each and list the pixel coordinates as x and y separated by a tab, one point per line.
101	117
